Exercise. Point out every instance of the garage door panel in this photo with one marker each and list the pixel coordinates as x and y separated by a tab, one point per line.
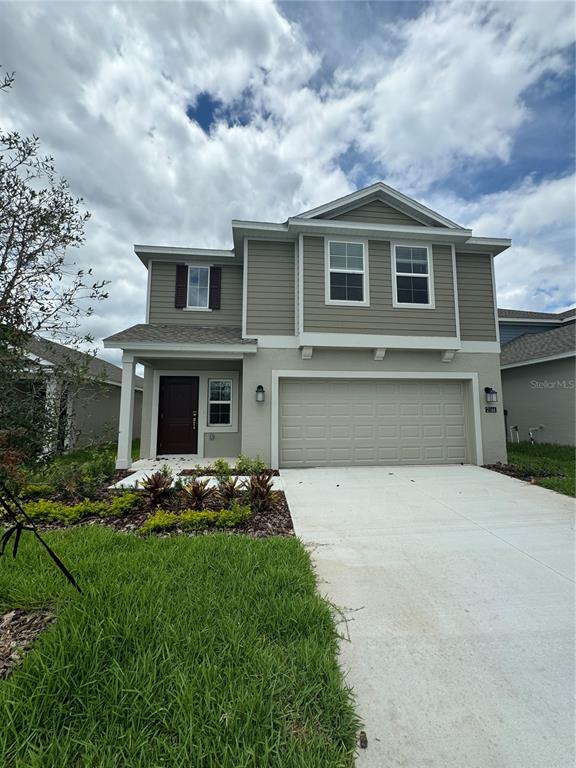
433	430
325	422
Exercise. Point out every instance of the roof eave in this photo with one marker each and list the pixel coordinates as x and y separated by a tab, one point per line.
391	231
386	191
146	252
536	360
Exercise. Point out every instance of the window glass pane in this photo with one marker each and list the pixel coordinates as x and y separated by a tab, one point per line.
219	413
412	290
337	262
345	286
355	262
411	260
220	389
197	286
338	249
354	249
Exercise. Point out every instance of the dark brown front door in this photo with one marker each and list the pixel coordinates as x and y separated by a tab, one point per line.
178	415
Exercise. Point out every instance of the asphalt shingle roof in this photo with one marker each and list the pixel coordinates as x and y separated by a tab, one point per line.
537	346
518	314
181	334
58	354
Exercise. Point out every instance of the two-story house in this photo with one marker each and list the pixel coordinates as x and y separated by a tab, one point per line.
363	331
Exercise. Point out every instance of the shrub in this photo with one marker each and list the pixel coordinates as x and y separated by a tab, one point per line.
196	519
79	479
47	511
37	491
247	466
121	505
261	493
230	491
229	518
222	469
86	508
157	486
199	493
160	520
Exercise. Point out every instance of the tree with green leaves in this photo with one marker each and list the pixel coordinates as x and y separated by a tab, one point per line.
42	292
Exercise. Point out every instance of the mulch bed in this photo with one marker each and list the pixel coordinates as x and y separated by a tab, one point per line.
121	474
18	630
212	472
275	522
521	473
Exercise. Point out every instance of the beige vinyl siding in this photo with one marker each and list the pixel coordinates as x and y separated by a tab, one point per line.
163	285
380	316
476	297
376	212
270	290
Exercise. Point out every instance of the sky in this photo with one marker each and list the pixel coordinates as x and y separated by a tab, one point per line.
170	119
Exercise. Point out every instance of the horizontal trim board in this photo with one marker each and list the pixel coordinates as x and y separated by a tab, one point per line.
169	348
308	339
326	226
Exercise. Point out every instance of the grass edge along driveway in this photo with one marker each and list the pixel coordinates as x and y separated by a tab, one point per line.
208	651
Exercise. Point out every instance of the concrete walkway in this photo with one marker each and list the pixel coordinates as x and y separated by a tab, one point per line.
458	586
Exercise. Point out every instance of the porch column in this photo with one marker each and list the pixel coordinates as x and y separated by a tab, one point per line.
124	457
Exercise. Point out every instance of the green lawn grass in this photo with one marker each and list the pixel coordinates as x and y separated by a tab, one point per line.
541	458
209	651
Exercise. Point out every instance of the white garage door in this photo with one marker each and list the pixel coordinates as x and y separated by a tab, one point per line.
326	422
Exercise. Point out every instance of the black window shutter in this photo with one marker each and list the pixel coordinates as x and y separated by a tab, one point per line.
181	294
215	287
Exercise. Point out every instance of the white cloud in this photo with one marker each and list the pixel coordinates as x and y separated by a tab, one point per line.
106	87
538	271
453	94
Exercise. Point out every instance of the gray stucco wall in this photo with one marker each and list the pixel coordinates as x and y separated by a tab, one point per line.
96	410
163	286
256	435
380	317
542	394
270	305
476	297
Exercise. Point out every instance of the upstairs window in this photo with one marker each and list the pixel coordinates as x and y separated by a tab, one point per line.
219	402
412	277
198	282
346	273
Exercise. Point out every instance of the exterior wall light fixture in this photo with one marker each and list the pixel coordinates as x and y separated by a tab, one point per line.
260	394
491	395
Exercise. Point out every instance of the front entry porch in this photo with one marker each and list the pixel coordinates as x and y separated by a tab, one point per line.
191	411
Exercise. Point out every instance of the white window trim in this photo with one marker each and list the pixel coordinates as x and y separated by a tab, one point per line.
221	402
429	255
203	428
188	307
366	281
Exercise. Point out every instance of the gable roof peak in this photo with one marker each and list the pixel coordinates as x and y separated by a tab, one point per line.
386	194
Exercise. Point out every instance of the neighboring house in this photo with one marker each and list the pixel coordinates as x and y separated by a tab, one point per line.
87	407
361	332
538	374
517	322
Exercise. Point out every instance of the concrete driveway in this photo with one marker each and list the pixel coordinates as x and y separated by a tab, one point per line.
457	583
